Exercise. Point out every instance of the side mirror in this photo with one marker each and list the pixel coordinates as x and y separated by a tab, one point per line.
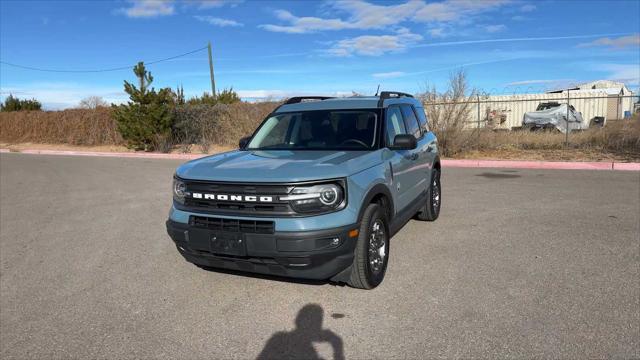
404	142
244	142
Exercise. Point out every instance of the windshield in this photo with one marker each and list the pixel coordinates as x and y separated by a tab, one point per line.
318	130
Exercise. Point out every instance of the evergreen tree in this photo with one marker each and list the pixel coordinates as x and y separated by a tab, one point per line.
147	118
227	96
12	103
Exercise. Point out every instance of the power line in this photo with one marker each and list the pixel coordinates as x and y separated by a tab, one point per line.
98	70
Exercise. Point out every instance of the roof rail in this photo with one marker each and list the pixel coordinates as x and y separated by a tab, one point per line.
390	95
299	99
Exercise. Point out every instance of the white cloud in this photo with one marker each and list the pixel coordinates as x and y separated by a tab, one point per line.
629	73
155	8
364	15
534	82
218	21
300	25
148	8
527	8
281	94
455	10
494	28
208	4
388	75
619	42
437	32
374	45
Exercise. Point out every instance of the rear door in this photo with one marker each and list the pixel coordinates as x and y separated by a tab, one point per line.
420	170
429	140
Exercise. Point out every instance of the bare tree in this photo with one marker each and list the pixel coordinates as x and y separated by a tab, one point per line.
92	102
449	113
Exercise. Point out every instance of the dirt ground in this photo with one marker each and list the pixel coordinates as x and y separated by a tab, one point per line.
552	155
503	154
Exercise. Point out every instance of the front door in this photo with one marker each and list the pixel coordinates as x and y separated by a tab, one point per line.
401	162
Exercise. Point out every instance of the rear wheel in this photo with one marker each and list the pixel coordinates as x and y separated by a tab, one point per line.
431	209
372	250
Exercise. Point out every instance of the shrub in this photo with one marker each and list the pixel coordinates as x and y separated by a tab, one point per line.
12	103
92	102
73	126
227	96
221	124
148	116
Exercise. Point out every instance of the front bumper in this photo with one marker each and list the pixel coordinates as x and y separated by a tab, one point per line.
300	254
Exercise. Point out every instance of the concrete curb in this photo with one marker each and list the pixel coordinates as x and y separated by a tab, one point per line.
513	164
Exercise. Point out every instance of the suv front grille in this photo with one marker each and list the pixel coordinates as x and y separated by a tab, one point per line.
237	207
233	225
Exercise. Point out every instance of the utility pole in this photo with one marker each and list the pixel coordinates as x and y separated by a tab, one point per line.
213	82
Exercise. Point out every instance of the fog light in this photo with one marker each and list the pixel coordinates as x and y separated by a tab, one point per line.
335	242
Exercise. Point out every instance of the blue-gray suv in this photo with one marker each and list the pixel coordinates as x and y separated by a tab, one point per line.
316	192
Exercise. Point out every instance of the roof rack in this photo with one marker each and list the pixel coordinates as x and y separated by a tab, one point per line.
299	99
390	95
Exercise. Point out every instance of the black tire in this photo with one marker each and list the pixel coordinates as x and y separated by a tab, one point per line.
431	209
364	274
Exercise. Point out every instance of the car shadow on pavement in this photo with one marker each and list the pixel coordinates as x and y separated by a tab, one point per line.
270	277
298	343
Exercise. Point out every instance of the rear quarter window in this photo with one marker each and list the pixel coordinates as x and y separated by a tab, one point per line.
422	118
410	121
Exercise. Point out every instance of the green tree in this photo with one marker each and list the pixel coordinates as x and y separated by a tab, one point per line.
145	121
12	103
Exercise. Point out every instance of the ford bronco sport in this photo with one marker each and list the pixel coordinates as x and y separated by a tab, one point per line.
316	192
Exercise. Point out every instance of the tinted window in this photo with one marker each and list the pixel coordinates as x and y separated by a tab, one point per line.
410	121
394	124
318	130
422	119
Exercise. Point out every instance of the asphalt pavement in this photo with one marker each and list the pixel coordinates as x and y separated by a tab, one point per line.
521	264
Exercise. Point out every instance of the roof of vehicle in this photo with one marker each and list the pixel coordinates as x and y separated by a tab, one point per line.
311	103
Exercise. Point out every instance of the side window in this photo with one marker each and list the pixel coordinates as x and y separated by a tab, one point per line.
394	124
410	121
422	118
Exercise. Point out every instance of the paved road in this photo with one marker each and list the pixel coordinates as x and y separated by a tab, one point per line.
520	264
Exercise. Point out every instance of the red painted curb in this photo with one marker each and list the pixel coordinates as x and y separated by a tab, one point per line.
448	163
112	154
626	166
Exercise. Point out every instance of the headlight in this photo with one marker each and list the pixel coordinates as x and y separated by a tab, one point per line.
316	198
179	190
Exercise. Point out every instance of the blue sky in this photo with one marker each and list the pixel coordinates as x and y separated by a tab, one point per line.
280	48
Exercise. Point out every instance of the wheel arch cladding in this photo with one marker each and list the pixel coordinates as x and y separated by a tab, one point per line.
380	194
436	164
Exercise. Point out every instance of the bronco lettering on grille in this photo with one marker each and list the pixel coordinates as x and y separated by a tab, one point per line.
228	197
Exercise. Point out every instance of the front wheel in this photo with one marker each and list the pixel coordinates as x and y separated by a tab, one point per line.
431	209
372	250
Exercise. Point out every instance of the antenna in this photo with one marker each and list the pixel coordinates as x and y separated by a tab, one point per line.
377	90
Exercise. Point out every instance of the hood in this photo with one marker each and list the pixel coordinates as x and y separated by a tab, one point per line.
278	165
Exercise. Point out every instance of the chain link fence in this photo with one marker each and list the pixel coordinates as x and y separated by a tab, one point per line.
582	117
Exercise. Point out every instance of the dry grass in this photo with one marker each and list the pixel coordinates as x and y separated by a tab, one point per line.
207	126
210	125
209	129
74	126
618	140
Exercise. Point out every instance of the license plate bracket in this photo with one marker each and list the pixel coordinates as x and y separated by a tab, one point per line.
227	243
